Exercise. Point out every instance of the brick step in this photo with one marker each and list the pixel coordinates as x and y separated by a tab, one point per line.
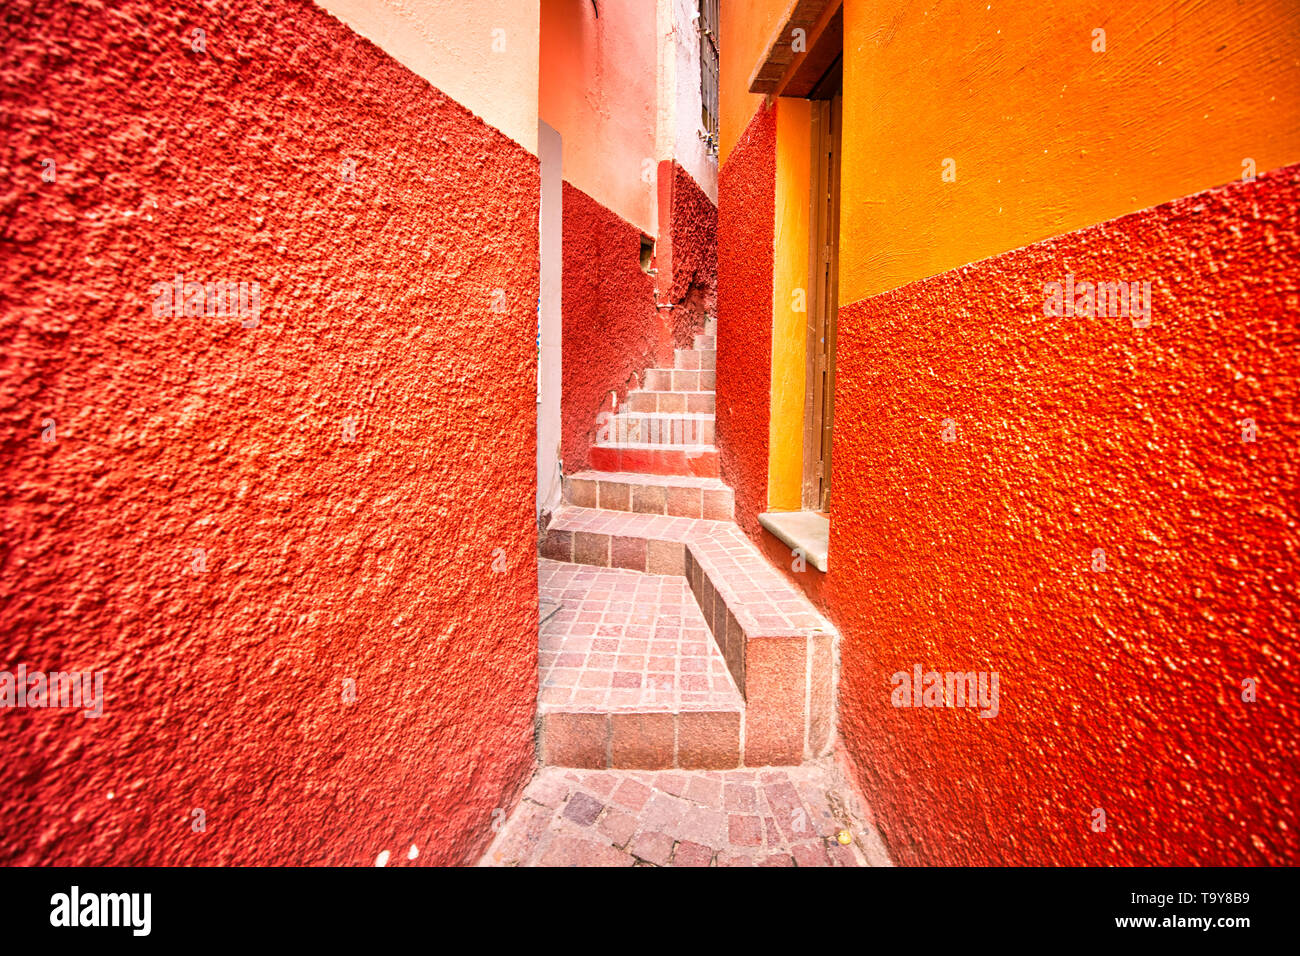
660	428
693	403
677	495
779	650
648	459
695	359
630	676
678	380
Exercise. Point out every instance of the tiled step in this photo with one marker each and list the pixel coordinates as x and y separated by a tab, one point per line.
779	650
659	428
648	459
675	403
630	676
678	495
706	342
695	359
679	380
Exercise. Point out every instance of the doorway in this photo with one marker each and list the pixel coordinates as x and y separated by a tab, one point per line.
823	292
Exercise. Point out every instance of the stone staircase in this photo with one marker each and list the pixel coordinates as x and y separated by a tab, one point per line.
666	426
675	643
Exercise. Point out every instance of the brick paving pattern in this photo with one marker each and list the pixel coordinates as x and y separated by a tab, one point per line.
627	641
788	816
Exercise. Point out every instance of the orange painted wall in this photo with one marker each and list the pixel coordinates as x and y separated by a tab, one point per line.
743	35
1122	690
1047	135
598	87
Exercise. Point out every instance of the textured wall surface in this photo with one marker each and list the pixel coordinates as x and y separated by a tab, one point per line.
1050	125
599	87
612	330
692	237
322	559
746	210
481	53
1120	689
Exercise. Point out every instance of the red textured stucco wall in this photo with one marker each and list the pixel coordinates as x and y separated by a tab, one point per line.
746	219
691	260
613	331
326	559
1119	690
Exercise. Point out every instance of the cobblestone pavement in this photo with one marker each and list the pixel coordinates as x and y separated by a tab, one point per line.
788	816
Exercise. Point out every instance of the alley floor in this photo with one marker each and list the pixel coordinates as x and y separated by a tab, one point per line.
624	640
787	816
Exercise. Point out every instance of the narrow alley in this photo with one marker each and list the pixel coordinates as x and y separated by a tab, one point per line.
600	433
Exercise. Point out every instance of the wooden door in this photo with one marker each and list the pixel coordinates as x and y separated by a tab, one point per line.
823	294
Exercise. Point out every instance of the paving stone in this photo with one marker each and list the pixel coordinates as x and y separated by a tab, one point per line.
567	850
788	810
674	783
548	791
664	812
598	660
722	818
705	825
842	855
582	809
618	826
524	836
744	830
739	796
705	790
653	847
692	854
810	854
601	784
631	794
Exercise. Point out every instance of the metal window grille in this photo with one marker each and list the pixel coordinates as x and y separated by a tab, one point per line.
709	71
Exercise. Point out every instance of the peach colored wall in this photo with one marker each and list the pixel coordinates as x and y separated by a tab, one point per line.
481	53
1047	135
598	88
